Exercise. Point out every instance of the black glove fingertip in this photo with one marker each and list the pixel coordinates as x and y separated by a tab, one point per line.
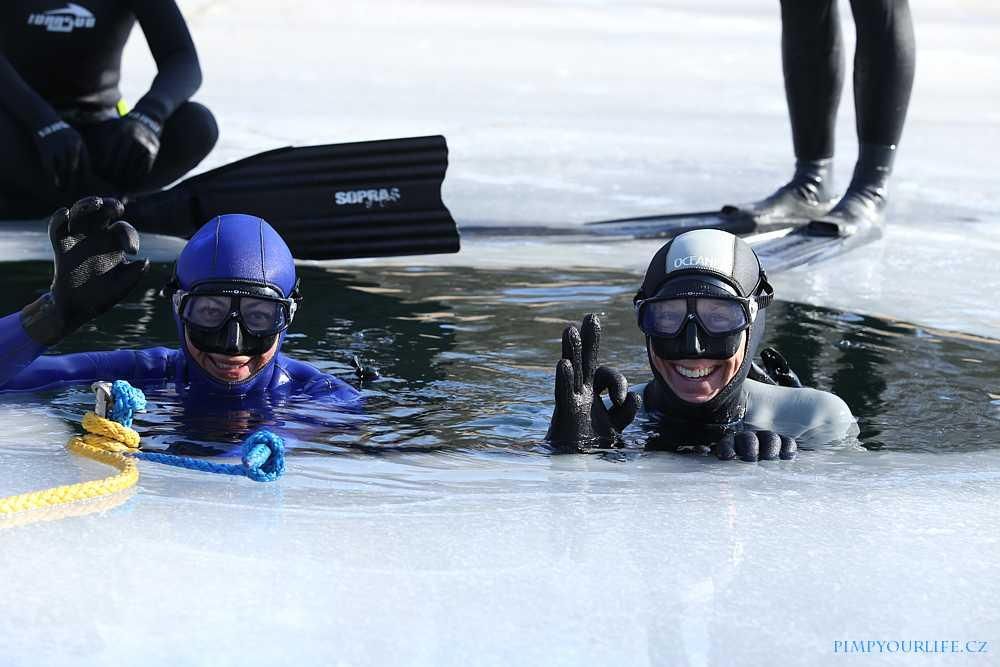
725	449
747	446
770	445
624	414
82	213
591	344
126	237
789	447
572	349
58	225
564	380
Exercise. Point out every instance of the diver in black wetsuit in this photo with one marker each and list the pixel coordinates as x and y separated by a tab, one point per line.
702	308
64	129
813	63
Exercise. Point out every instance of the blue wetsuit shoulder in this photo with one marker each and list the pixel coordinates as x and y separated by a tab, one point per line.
299	377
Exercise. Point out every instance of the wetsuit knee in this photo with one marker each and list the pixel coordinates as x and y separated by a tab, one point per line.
197	124
188	137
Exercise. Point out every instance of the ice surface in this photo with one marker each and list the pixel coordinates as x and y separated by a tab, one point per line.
506	559
555	113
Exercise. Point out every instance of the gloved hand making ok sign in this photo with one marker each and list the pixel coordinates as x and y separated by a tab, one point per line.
580	418
91	273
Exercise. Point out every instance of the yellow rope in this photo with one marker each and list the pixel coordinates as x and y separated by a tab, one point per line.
59	512
106	441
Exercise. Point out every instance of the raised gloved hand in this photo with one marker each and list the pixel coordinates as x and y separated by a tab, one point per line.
778	368
132	148
91	272
756	446
580	418
63	154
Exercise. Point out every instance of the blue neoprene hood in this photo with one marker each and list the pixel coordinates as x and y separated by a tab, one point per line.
234	247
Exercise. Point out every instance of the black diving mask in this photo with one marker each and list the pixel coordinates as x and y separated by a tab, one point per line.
698	318
234	319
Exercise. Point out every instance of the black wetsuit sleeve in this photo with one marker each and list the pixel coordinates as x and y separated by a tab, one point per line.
21	101
178	71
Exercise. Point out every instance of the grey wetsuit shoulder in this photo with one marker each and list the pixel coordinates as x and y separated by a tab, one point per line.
812	416
807	414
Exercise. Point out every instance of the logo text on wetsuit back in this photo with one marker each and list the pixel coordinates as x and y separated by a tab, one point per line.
370	198
700	260
67	19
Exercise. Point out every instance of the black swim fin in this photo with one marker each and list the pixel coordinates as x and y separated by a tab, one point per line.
737	220
785	249
669	225
363	199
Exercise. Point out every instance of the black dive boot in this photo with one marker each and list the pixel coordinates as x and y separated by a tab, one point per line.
861	210
808	195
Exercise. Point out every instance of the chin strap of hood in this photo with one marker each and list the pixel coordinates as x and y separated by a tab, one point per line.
237	248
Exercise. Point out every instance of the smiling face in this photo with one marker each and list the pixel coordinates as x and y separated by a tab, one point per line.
699	380
230	368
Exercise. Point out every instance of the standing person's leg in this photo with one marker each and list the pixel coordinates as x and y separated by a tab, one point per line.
883	78
813	64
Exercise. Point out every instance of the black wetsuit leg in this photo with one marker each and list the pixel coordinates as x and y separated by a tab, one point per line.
813	64
26	190
23	183
883	78
884	65
189	134
188	137
812	57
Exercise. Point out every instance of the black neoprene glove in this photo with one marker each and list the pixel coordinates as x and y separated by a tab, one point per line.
756	446
132	148
778	368
63	154
91	272
580	418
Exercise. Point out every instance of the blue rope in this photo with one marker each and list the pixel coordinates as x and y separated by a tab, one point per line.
128	400
263	459
263	452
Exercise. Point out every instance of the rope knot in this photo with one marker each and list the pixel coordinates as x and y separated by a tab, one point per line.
127	401
263	456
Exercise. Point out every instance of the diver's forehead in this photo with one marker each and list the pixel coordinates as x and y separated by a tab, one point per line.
708	249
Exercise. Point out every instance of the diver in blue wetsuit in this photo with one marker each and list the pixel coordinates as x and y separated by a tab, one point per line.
234	295
702	309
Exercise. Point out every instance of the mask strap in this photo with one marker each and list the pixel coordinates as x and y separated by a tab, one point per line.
171	286
765	293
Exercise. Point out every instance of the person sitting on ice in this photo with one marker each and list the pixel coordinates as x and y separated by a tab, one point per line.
234	295
702	307
64	128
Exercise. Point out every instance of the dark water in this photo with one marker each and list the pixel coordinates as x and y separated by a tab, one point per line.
467	361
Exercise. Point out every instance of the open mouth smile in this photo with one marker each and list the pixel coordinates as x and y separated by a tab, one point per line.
695	373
